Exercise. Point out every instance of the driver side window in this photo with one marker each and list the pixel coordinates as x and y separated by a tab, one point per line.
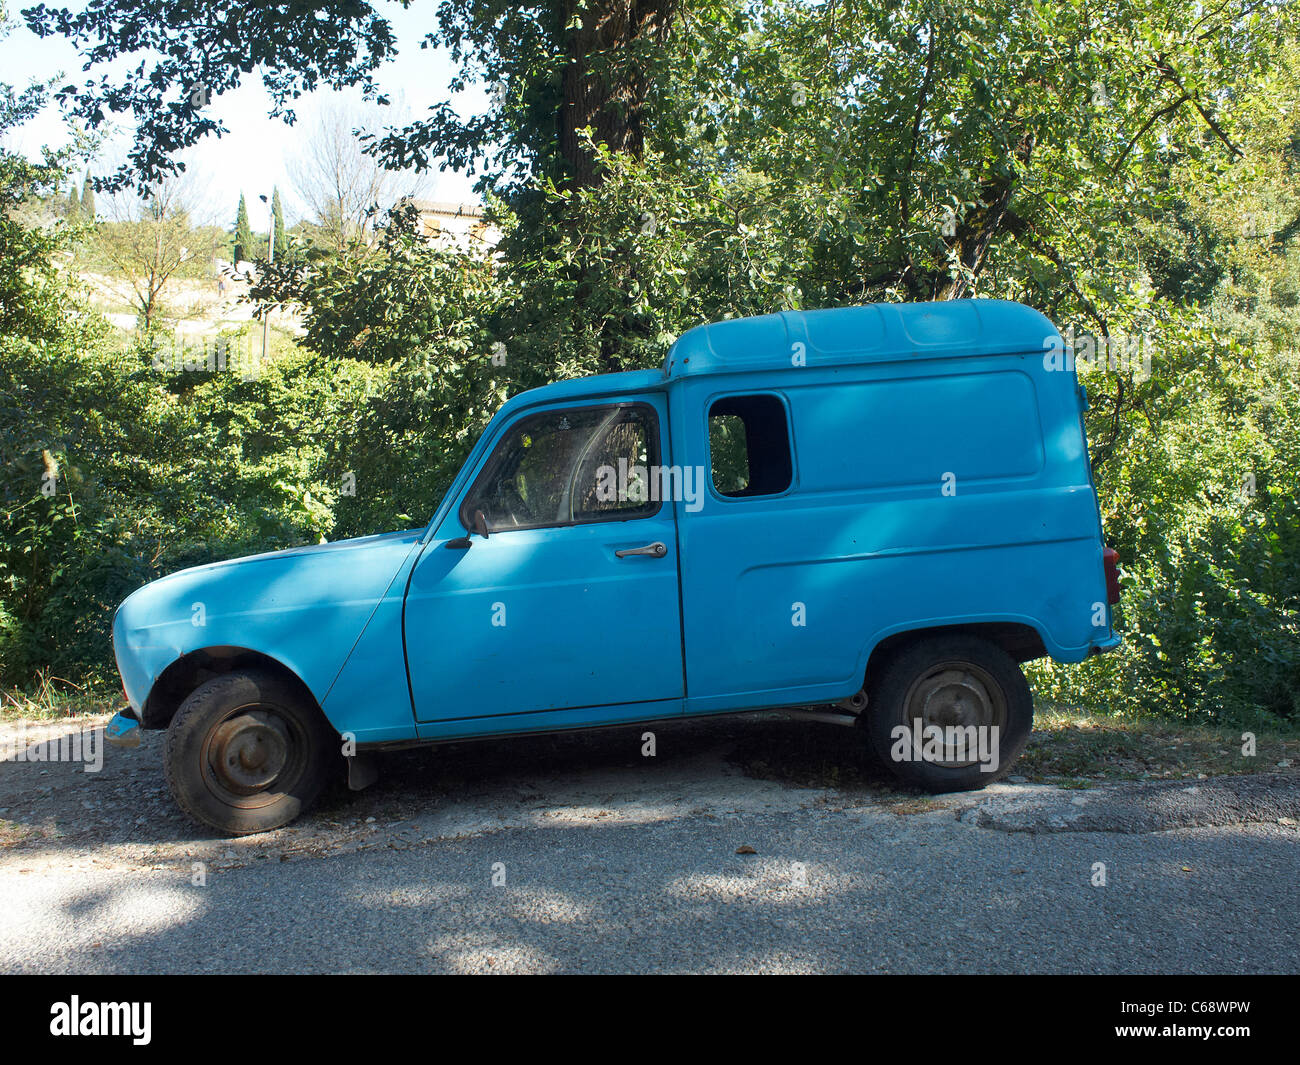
569	467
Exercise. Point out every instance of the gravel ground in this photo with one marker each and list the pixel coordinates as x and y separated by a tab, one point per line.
575	854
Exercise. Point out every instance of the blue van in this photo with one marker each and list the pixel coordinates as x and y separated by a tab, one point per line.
872	514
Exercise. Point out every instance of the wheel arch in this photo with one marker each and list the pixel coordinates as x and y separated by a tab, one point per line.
194	668
1022	641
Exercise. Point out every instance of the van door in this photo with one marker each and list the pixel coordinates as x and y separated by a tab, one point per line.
571	603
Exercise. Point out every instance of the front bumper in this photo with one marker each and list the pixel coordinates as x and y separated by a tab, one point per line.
123	729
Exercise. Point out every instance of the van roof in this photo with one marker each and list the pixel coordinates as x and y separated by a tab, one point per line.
875	332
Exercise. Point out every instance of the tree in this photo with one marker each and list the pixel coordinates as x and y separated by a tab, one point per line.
560	66
280	238
347	190
555	70
149	239
74	202
29	282
87	209
570	78
243	233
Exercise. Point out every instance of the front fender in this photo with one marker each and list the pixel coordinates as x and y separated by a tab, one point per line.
306	608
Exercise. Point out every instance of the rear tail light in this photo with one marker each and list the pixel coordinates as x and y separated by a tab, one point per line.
1110	561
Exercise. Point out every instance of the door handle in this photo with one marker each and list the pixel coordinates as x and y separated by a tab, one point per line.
654	550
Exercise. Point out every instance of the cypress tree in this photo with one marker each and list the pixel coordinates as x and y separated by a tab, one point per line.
88	199
244	248
280	237
74	202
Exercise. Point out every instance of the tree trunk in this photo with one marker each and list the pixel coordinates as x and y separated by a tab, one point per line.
605	83
982	224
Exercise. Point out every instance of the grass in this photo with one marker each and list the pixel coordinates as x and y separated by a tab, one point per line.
1075	748
53	698
1068	748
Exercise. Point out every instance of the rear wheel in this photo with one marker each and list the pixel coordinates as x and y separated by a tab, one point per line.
246	752
949	713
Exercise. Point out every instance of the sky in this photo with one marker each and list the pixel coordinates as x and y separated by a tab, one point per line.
255	155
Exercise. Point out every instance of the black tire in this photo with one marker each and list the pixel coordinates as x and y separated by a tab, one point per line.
246	752
948	680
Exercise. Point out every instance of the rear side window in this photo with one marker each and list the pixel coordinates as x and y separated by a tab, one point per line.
749	446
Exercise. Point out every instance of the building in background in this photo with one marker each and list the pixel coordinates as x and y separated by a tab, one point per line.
455	225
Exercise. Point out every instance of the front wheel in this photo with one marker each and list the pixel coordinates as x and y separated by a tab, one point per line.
247	753
949	713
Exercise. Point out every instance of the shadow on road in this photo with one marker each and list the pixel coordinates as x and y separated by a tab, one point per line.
53	806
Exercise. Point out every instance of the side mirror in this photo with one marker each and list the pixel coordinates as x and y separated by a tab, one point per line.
480	524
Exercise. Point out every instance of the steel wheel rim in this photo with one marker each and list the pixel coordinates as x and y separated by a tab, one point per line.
954	694
253	755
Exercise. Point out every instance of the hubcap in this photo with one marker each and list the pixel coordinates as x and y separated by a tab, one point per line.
249	752
956	695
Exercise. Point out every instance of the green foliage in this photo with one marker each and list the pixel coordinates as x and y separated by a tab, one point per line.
280	238
70	521
187	59
414	322
87	207
1203	503
152	471
244	247
1129	167
151	248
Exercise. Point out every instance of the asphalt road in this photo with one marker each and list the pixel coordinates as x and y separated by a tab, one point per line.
579	855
